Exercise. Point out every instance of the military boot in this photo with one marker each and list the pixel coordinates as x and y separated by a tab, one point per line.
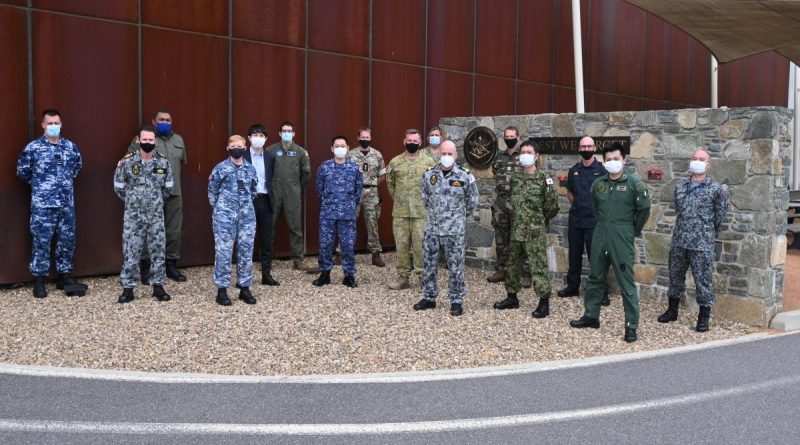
672	311
456	310
144	271
222	297
630	335
299	265
266	278
497	276
349	281
70	286
585	322
510	302
173	273
65	279
605	301
323	279
39	289
543	309
702	319
127	295
377	261
160	293
400	283
246	296
569	291
424	304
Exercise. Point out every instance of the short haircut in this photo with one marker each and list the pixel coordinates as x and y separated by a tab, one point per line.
286	124
530	143
237	137
50	112
435	128
333	141
364	128
161	110
616	146
256	128
511	127
411	131
147	128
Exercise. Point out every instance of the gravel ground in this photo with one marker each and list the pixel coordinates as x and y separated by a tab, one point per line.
298	329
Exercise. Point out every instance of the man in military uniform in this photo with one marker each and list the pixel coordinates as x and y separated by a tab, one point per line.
700	209
534	202
49	165
264	163
232	187
171	145
434	143
581	216
449	194
403	176
339	186
505	166
373	171
143	181
292	171
621	203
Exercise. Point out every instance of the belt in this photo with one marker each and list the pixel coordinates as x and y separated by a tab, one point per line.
262	195
369	186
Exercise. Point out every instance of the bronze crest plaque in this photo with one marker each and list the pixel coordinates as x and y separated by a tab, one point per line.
480	147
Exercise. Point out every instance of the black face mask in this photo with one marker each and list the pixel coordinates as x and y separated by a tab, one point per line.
510	143
147	147
412	148
587	154
364	143
236	153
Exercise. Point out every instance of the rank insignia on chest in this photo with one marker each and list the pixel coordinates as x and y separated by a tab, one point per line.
549	181
365	167
160	171
577	174
622	188
456	183
291	153
434	179
136	169
595	173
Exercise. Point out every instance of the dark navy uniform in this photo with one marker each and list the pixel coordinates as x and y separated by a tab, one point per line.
339	188
581	217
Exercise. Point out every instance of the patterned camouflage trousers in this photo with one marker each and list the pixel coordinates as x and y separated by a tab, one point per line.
371	205
408	233
136	231
501	222
46	222
702	263
454	253
233	227
535	250
328	230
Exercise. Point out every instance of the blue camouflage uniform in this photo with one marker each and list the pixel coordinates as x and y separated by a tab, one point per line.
700	209
231	191
50	170
339	189
449	197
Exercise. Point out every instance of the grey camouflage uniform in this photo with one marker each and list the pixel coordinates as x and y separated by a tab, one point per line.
143	186
372	167
449	199
700	209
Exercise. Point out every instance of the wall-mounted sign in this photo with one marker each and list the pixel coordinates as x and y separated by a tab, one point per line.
480	147
569	146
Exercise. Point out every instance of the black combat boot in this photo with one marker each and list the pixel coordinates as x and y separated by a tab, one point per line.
510	302
702	319
222	297
456	310
585	322
672	311
65	279
144	271
543	309
39	289
127	295
349	281
246	296
569	291
323	278
70	286
160	293
424	304
173	273
266	278
630	335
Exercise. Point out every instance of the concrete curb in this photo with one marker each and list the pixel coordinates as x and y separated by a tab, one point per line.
786	321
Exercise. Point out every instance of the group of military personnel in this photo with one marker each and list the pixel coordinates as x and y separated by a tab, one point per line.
433	196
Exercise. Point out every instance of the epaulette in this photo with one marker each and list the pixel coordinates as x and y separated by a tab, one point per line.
466	169
430	168
161	154
128	155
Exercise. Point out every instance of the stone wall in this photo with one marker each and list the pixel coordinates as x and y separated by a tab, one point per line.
751	153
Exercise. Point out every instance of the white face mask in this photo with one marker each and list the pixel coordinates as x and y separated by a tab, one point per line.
258	141
697	167
340	152
527	159
447	161
614	167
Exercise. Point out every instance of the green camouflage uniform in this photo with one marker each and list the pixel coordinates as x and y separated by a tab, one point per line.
372	167
504	168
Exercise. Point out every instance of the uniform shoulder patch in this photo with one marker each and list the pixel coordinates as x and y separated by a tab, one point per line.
158	153
434	179
549	181
465	169
128	155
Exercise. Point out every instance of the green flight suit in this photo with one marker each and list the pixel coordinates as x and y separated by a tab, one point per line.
622	208
173	147
292	171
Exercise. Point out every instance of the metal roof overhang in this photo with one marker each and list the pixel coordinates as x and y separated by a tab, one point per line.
733	29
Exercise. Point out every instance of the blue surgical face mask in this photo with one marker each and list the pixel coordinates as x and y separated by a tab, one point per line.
53	131
287	136
435	140
163	128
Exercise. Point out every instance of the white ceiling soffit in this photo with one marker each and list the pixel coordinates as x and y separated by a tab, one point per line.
733	29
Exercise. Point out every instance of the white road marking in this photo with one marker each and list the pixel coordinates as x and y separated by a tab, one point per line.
314	429
389	377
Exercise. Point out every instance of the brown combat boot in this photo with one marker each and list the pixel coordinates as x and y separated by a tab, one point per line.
377	261
401	283
300	265
497	276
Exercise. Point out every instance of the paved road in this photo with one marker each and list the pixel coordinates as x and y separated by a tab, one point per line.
743	392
